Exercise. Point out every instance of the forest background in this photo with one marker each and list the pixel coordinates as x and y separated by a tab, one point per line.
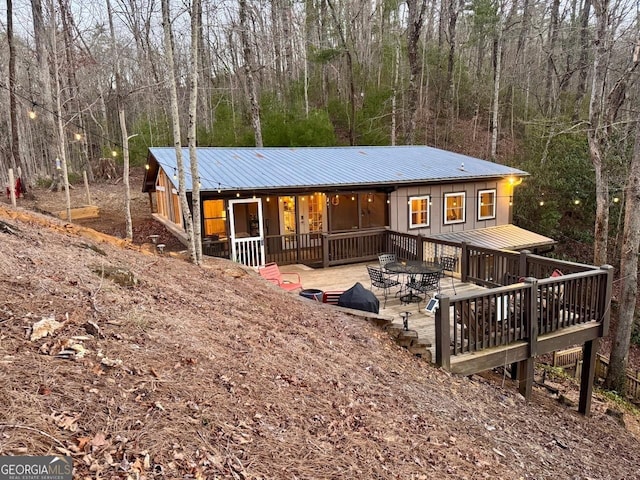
547	86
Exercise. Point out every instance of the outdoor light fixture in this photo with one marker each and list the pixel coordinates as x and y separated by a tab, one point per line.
513	181
541	203
114	153
238	194
175	175
576	201
616	199
77	136
146	166
32	114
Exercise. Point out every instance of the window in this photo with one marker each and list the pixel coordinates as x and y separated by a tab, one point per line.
215	218
454	211
486	204
419	211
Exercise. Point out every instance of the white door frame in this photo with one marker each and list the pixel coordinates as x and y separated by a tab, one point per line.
247	250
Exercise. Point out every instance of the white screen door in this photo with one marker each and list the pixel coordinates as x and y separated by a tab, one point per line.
247	232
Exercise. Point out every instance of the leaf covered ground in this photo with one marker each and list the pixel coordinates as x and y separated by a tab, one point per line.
150	367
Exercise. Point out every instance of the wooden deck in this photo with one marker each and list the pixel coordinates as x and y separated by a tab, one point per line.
344	277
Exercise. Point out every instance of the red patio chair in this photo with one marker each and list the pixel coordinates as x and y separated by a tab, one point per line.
272	273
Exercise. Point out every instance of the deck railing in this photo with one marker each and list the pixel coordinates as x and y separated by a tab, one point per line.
294	248
353	247
521	312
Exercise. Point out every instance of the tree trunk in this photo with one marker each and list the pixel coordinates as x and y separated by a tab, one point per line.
583	62
394	101
248	71
415	22
191	136
551	47
13	114
58	113
616	375
352	86
123	129
175	123
596	133
125	174
454	10
496	87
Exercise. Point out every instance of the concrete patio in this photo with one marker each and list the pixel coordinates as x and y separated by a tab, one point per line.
345	276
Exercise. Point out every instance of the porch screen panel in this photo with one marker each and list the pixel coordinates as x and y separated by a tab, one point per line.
215	218
373	210
344	212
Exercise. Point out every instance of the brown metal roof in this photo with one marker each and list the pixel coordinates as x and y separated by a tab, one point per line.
503	237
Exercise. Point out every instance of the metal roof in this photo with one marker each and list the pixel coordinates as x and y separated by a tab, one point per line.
305	167
502	237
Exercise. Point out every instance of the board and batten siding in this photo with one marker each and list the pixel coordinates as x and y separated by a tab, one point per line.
399	206
167	200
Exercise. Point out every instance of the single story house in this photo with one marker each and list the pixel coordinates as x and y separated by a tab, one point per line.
285	204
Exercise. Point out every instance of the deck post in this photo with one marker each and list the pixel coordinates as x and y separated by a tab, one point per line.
325	250
525	377
443	333
589	352
464	262
522	264
531	307
606	297
420	248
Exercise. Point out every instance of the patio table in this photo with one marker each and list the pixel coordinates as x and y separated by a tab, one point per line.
412	268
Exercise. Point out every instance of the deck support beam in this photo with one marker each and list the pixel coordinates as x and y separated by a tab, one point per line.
589	353
525	377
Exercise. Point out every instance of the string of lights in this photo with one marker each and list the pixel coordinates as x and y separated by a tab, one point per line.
32	114
544	197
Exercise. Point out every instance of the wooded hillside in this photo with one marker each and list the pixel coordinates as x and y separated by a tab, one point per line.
141	366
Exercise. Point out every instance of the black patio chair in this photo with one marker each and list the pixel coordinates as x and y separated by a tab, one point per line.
449	264
385	258
382	280
424	283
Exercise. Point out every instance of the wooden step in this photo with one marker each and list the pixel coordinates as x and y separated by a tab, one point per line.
406	337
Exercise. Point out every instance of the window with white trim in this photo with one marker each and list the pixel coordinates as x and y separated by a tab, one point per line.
419	211
454	207
486	204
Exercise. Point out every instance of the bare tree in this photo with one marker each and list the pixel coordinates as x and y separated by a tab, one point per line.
415	22
15	138
349	57
616	375
62	143
123	129
248	71
193	121
497	61
42	45
175	122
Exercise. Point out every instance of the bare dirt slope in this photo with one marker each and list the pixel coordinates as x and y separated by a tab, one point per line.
186	372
